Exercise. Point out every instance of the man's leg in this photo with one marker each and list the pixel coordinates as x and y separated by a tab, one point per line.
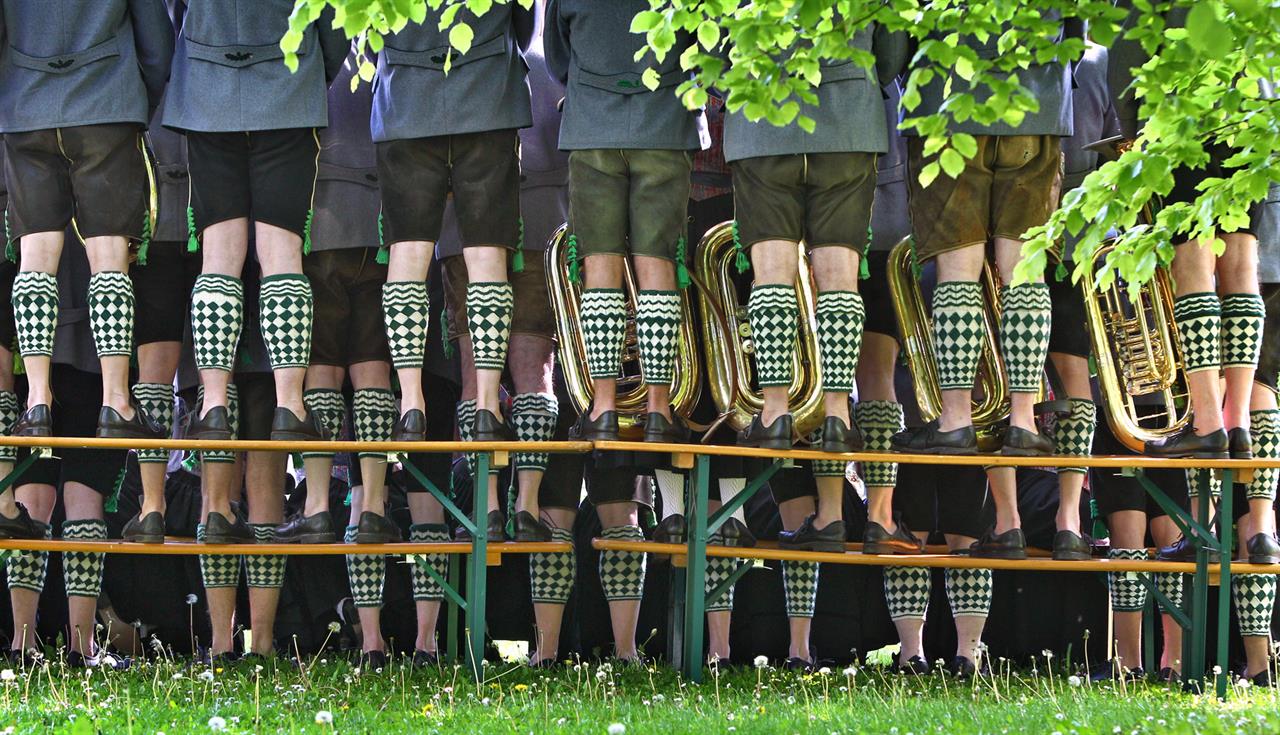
35	311
221	474
1005	540
366	574
969	594
406	306
879	416
720	612
622	575
323	399
551	580
157	366
1165	532
1128	530
82	571
533	416
799	584
774	314
25	570
1073	436
15	521
907	591
217	309
1026	314
490	304
374	414
264	480
285	316
428	527
111	307
1264	422
1254	596
840	315
1243	316
466	414
604	326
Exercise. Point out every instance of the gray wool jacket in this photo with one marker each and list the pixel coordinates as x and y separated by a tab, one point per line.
347	200
1094	117
890	216
66	63
228	70
591	50
485	88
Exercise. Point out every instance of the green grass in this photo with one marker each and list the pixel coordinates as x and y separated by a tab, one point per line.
175	697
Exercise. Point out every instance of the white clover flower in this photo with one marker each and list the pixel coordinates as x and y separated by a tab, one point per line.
191	599
217	724
206	675
324	717
335	626
617	728
8	675
1074	680
761	662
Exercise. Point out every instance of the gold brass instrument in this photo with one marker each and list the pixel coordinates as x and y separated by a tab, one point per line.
566	303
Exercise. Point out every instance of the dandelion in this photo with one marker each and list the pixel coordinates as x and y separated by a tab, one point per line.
850	671
762	662
1047	653
521	687
324	717
824	671
191	600
1074	680
206	675
617	728
217	724
335	626
8	675
1217	670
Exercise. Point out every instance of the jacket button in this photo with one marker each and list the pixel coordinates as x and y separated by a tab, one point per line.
61	63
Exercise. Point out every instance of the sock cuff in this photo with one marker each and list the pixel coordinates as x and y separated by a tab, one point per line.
428	532
263	533
1264	419
220	284
399	287
772	296
956	294
1026	296
1130	554
8	405
563	535
88	529
1243	305
498	290
146	391
878	413
603	298
286	279
106	279
35	281
840	301
373	399
546	403
623	533
664	303
1193	305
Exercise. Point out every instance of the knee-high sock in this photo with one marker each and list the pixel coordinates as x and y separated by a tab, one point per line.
879	421
1025	319
489	309
217	316
425	588
1255	599
1170	585
221	456
958	329
111	313
1265	429
25	569
466	417
1073	433
156	401
907	590
9	413
82	569
329	409
35	312
828	467
800	588
840	318
604	328
262	570
406	306
551	575
366	573
1242	319
217	570
1127	592
671	488
774	314
658	333
1197	476
1199	318
622	572
729	488
374	413
969	591
533	417
719	568
285	303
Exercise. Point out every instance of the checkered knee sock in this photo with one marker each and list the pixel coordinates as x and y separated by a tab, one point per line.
25	569
1255	599
879	421
366	573
217	316
907	590
489	308
83	569
1242	319
840	318
969	591
1264	426
604	327
9	413
622	572
35	312
466	417
426	588
533	416
1127	592
221	456
330	410
285	304
1025	318
1197	476
719	568
774	314
1199	318
111	313
262	570
658	333
217	570
156	401
800	587
828	467
958	329
374	412
406	306
1073	433
551	575
1170	585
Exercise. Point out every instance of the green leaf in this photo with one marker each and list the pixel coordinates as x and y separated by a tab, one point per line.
1202	23
929	173
650	79
965	144
461	36
708	34
952	162
645	21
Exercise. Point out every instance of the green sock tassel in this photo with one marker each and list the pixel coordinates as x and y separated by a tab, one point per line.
682	270
444	335
193	245
384	253
1099	523
347	500
146	238
10	249
306	233
742	263
1060	274
575	275
517	260
864	268
113	501
916	270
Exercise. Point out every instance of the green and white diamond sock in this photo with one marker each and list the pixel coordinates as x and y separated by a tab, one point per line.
111	313
1170	585
217	570
286	306
907	590
82	570
426	588
1255	599
774	316
156	402
1127	592
374	413
719	568
1243	315
366	573
25	569
1264	426
604	327
551	575
958	330
489	309
262	570
217	316
533	417
221	456
466	417
1197	476
35	312
406	306
969	592
622	572
329	409
658	334
1199	318
1025	320
800	588
828	467
1073	433
879	421
9	413
840	318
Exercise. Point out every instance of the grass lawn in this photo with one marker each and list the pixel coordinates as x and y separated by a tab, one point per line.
329	695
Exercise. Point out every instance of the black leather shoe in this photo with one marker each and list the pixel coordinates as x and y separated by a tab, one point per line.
961	667
316	529
1183	550
808	538
674	529
111	425
410	427
36	421
877	540
215	425
224	659
1240	443
148	529
1109	672
929	439
22	526
736	534
422	659
1168	675
603	428
1019	442
495	528
1261	679
660	431
796	663
376	529
914	666
1264	549
531	528
1188	444
373	661
1009	545
219	530
841	438
489	428
778	435
1071	546
286	427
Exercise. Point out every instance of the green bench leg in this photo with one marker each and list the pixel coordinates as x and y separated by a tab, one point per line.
477	576
696	569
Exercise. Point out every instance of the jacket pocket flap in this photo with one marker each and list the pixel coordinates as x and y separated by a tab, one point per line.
238	56
67	63
434	58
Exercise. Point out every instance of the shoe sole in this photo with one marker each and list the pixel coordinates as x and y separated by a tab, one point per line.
1191	455
489	438
682	541
531	539
373	538
293	436
35	433
310	538
944	451
889	548
228	540
769	444
1019	452
124	434
832	547
408	437
210	436
1071	556
144	538
748	543
840	448
1002	554
1264	559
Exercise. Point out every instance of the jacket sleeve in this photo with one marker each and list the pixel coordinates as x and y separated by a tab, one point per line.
555	43
1123	56
524	21
334	45
153	38
892	52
